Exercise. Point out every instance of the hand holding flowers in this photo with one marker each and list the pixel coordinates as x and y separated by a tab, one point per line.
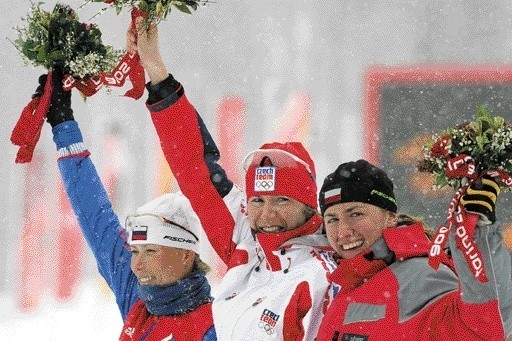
469	151
155	10
461	157
73	51
57	40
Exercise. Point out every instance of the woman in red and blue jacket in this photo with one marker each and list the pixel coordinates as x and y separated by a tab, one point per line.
152	266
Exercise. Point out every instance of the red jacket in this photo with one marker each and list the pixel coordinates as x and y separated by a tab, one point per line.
409	300
276	286
141	325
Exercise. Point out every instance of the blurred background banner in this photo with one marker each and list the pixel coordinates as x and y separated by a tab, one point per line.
405	105
256	71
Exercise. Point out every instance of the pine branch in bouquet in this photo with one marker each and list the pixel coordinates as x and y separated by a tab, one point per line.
157	10
484	142
57	40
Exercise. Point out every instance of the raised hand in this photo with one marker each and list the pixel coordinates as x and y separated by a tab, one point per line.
480	198
145	42
60	105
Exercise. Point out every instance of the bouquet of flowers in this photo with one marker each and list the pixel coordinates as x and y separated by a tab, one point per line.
469	150
57	40
74	51
156	10
458	156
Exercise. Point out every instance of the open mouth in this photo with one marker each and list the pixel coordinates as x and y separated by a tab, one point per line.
271	229
145	279
353	245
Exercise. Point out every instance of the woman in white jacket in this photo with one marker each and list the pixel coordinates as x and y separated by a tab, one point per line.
276	286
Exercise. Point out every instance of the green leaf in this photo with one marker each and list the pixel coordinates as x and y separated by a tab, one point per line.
30	54
19	43
159	10
55	55
143	6
482	112
441	180
499	122
183	8
41	55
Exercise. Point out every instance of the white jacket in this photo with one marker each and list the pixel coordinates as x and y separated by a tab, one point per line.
276	286
278	291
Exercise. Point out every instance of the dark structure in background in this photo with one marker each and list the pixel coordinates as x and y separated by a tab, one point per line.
405	106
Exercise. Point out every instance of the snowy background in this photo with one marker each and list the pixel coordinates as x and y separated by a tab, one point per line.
294	68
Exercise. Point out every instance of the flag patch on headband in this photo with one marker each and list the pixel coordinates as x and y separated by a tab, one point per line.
140	233
332	195
265	179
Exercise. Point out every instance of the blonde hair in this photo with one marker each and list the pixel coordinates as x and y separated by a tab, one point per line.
200	265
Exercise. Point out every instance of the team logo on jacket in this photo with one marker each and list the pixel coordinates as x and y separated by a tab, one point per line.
129	331
268	321
264	179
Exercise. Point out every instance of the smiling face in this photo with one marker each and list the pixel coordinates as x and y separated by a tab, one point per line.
160	265
352	227
273	214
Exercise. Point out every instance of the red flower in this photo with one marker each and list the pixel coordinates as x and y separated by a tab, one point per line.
439	147
108	1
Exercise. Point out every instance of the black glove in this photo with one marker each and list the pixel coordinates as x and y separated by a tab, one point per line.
60	107
60	103
480	198
40	87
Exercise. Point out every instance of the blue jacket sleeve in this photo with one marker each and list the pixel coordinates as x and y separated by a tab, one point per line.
210	335
98	222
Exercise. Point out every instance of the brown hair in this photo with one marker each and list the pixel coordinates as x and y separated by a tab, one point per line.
405	219
309	212
200	265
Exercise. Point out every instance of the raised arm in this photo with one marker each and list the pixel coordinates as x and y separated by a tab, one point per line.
188	147
481	300
89	200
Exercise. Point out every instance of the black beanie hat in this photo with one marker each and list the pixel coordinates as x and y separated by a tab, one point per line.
358	181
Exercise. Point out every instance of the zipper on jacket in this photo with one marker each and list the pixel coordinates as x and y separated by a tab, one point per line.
150	329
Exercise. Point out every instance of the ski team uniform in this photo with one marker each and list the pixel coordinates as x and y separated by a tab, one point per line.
276	286
101	228
409	300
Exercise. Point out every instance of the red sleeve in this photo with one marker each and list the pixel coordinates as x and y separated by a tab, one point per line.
181	139
298	307
451	316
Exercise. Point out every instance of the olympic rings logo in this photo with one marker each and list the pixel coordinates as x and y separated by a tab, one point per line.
266	327
264	184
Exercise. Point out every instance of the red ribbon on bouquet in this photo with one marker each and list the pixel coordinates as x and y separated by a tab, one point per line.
128	67
27	130
464	222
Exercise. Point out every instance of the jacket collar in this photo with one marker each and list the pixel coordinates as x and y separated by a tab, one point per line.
401	243
270	242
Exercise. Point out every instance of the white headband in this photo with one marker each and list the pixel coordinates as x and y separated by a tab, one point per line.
153	229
